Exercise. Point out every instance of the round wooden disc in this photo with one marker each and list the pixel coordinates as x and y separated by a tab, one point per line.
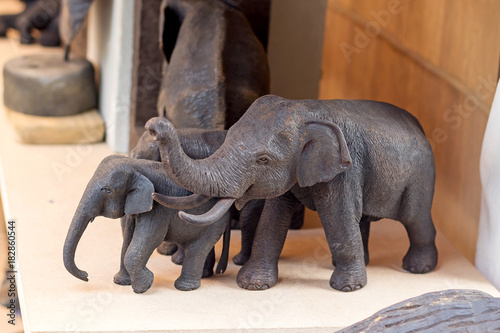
46	85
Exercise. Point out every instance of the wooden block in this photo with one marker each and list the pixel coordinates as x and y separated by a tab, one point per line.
87	127
445	311
44	84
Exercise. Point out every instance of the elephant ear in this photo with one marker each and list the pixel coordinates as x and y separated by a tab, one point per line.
324	154
140	197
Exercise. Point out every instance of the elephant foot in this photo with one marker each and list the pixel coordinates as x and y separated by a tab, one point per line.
420	260
348	279
122	278
143	282
240	259
259	276
178	257
167	248
186	284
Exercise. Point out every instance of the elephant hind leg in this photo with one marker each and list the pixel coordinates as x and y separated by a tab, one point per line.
416	218
192	268
422	254
196	253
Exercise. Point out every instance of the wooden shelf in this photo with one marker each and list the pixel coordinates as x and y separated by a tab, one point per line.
41	186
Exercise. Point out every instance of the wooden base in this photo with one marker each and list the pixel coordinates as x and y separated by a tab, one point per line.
87	127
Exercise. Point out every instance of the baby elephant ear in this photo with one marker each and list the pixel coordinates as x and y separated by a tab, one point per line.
139	198
324	154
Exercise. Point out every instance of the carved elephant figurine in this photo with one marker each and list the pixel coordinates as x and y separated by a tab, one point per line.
124	186
353	161
197	144
209	79
42	15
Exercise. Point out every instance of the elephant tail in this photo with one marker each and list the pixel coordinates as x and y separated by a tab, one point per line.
222	264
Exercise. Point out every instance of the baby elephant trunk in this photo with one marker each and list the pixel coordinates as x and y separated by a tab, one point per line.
75	232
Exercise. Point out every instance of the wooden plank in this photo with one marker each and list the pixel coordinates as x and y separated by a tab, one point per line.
415	60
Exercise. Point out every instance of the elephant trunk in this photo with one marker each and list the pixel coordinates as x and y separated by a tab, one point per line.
75	232
205	176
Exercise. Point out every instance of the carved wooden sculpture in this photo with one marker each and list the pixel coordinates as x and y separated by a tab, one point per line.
444	311
215	66
124	186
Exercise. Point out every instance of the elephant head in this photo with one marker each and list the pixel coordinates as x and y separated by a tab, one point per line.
115	190
275	145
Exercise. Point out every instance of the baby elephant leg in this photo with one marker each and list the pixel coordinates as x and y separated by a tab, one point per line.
192	268
128	226
147	237
196	254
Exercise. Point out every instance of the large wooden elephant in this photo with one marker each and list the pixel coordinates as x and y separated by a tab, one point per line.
353	161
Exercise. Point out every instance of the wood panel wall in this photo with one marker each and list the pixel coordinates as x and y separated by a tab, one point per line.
439	60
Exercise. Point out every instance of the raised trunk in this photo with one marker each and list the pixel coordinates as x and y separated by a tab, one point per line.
75	232
205	176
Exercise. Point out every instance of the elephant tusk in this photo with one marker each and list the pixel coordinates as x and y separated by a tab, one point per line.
181	203
213	215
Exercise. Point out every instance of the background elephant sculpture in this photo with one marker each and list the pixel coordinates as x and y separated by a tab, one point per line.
209	79
353	161
42	15
124	186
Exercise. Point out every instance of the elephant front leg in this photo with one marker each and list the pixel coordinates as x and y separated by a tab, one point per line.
261	270
341	224
128	225
147	237
249	219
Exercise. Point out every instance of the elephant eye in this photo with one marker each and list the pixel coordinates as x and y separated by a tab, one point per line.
106	189
262	160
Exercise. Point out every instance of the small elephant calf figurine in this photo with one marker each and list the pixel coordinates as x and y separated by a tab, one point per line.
124	186
353	161
197	144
